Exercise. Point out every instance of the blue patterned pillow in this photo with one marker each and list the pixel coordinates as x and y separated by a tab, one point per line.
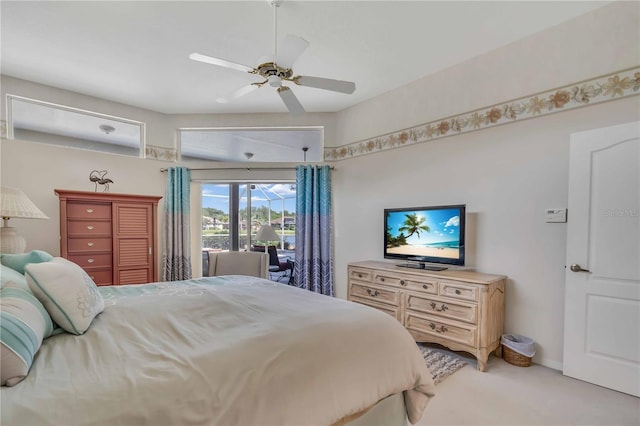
17	262
67	292
24	323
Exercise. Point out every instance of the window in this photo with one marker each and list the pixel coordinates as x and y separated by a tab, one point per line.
232	214
38	121
255	144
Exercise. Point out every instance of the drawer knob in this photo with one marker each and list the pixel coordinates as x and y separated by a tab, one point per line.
382	279
90	260
373	293
434	306
89	210
359	275
90	244
425	286
402	282
441	329
457	291
89	227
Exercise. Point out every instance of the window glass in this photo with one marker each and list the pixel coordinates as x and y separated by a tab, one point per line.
253	144
37	121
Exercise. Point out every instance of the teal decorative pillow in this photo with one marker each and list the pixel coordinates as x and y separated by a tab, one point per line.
24	323
67	292
11	276
17	262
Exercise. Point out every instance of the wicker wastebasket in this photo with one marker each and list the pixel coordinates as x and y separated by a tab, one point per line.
518	350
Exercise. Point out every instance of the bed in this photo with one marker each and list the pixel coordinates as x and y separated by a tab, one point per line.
230	350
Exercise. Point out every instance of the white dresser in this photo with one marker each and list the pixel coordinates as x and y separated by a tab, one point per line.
462	310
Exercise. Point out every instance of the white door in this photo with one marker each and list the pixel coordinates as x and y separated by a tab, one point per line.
602	295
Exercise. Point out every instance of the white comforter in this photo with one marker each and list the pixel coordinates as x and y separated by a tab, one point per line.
225	351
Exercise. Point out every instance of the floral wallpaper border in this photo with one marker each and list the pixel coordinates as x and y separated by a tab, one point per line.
160	153
601	89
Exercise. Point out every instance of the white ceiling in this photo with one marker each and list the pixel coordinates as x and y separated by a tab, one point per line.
137	52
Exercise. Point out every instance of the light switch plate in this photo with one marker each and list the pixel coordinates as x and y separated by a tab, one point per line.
556	215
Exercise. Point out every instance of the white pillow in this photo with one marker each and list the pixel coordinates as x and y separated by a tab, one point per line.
67	292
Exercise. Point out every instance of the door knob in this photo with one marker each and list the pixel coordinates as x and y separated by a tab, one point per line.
577	268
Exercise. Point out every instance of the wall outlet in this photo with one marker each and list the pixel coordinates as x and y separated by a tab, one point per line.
556	215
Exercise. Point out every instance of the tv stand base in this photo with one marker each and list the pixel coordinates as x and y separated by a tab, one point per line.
422	266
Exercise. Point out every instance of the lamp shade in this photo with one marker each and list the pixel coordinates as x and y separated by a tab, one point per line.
14	203
266	233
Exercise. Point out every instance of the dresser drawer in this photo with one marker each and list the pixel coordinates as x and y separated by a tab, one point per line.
101	277
467	312
387	309
91	260
442	329
457	290
360	274
365	291
83	228
85	245
88	211
422	284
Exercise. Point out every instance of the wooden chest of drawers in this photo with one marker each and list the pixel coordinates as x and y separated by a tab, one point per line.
112	236
461	310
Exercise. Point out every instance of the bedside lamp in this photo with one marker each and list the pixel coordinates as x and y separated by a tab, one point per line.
14	203
266	234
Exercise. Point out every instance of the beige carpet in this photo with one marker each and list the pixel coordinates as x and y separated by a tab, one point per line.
536	395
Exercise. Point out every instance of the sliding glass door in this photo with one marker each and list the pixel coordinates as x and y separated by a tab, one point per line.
232	213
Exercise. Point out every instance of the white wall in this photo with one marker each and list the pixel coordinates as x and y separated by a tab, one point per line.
597	43
38	169
506	175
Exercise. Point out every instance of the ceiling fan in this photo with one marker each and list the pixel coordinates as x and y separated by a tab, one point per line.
278	69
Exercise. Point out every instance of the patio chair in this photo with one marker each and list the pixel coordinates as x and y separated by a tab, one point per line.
239	263
275	265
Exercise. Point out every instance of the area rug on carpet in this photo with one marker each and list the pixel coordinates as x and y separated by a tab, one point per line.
441	364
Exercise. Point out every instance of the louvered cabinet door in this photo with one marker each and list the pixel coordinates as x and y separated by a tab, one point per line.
133	243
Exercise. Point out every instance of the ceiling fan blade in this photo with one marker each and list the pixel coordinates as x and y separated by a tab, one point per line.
292	48
240	92
342	86
220	62
293	104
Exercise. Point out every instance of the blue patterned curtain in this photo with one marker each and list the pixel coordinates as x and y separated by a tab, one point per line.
176	258
314	225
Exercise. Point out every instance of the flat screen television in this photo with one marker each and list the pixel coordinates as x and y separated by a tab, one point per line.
422	235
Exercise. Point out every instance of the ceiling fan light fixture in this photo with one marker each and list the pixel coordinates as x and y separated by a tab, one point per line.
275	81
106	128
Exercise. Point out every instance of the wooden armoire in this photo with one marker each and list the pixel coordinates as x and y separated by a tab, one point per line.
111	236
